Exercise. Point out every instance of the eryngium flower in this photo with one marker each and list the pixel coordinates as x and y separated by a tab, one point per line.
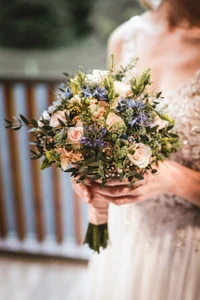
97	93
94	137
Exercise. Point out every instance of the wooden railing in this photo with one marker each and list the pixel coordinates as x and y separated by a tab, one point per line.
18	173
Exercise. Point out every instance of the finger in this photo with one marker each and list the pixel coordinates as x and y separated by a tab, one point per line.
115	191
116	181
123	201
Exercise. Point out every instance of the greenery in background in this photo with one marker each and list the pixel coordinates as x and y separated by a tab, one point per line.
47	23
43	23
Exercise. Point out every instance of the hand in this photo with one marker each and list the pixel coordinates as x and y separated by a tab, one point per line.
152	185
82	191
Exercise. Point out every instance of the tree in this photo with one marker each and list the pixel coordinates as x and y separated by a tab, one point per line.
43	23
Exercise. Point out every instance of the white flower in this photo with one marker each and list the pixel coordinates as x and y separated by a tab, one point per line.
141	156
122	88
97	76
52	108
75	99
45	116
54	118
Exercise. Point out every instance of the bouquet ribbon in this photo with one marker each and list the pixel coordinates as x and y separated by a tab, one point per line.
98	212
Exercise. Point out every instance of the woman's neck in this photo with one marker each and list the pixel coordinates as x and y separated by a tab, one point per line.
179	13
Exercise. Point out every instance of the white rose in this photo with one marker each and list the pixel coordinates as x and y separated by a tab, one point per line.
45	116
141	157
74	135
54	118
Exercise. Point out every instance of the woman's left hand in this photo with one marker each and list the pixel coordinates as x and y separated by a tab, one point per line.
165	181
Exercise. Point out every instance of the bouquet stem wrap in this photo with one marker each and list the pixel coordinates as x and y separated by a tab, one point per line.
97	232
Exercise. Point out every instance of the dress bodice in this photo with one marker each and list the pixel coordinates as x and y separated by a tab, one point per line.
183	104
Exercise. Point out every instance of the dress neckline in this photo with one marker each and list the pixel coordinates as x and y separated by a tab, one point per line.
183	85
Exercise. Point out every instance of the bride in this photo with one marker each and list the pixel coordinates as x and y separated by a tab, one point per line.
154	251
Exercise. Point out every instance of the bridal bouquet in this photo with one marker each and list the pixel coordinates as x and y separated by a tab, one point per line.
103	125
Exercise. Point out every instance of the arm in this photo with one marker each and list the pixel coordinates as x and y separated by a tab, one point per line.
114	46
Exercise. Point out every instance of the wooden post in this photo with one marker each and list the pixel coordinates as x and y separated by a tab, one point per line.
35	171
3	224
15	165
57	202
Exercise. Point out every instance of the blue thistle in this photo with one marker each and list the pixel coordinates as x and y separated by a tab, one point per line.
94	137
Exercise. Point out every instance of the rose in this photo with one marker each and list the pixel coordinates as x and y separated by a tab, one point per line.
67	157
57	115
122	88
141	156
45	116
75	100
113	119
74	135
97	111
160	123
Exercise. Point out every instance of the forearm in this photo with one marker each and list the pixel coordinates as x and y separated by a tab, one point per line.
187	185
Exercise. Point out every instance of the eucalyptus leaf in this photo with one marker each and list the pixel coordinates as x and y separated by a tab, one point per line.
9	126
24	119
8	121
61	122
16	128
34	123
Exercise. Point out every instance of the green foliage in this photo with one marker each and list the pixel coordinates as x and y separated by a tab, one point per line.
43	23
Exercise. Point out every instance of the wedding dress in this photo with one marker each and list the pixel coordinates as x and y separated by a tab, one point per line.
154	251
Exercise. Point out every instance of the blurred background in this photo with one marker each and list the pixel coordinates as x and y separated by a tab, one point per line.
42	223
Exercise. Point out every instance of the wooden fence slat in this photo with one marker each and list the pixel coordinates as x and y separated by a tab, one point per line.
58	215
35	171
77	218
3	224
15	171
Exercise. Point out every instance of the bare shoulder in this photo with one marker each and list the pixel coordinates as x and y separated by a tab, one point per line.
117	37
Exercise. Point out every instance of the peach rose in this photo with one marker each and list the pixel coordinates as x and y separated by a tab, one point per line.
142	155
122	88
68	157
112	119
97	111
74	135
54	118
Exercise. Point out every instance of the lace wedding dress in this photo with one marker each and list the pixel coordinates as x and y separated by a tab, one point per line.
154	251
